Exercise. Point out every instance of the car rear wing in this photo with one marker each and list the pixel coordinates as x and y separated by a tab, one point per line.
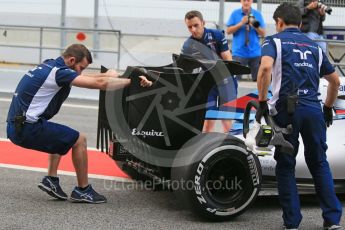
182	88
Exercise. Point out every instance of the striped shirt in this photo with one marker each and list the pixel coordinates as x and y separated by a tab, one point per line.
298	65
42	90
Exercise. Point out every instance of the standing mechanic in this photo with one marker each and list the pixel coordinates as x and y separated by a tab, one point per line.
210	44
296	64
38	97
247	25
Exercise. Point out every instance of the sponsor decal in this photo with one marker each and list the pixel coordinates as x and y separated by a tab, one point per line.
253	170
29	74
303	64
303	91
197	183
302	55
342	88
152	133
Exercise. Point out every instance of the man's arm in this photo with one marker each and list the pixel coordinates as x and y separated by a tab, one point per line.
264	77
332	89
301	7
106	82
226	55
304	9
109	73
234	28
260	31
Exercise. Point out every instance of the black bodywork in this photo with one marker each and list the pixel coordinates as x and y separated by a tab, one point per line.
176	104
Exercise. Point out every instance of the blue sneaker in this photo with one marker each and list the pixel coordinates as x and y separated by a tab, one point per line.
51	186
88	195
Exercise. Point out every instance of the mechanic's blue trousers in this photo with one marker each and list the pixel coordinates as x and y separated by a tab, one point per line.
309	122
222	93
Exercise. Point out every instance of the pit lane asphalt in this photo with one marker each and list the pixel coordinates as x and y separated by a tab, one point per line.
130	206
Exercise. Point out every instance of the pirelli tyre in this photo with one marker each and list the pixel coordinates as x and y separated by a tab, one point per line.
220	180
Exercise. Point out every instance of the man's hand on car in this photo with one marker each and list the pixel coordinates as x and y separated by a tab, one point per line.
144	82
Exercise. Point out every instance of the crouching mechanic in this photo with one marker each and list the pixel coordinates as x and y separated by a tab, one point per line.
296	64
38	97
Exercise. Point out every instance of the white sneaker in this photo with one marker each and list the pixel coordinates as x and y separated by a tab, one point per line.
332	227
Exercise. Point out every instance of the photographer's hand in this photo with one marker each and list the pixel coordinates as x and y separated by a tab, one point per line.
260	31
312	5
244	20
322	11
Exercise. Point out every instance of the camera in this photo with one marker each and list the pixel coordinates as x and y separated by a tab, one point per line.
253	21
327	9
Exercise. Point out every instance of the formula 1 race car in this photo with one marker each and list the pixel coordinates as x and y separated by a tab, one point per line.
156	134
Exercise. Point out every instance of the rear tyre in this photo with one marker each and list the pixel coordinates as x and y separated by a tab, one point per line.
220	180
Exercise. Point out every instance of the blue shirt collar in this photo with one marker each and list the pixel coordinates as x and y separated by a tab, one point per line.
205	32
292	29
60	61
202	37
250	11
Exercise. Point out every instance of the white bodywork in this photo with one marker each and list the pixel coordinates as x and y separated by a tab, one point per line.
335	155
335	142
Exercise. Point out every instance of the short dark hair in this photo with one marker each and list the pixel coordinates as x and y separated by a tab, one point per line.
192	14
289	13
79	51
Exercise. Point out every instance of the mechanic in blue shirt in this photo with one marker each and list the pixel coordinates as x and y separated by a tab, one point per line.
38	97
295	64
247	25
210	44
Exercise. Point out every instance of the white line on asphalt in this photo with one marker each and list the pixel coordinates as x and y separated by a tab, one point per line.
70	105
89	148
113	178
80	106
14	70
61	172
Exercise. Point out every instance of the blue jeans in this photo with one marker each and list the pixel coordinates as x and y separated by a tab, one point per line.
222	93
253	64
309	122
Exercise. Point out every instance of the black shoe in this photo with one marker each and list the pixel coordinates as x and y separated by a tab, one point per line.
88	195
51	186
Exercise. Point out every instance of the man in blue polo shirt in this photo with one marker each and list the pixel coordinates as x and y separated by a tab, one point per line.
295	64
246	25
38	97
210	44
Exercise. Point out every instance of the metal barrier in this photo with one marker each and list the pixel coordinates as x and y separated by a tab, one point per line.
42	38
335	41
